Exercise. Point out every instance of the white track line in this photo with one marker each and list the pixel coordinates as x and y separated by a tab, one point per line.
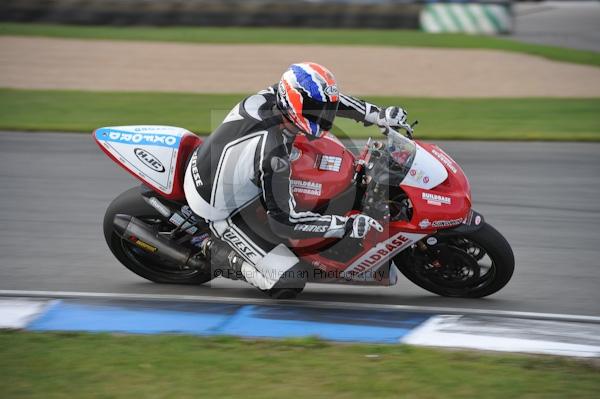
18	313
508	334
314	304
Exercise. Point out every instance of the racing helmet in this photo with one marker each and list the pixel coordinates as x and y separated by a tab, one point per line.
308	96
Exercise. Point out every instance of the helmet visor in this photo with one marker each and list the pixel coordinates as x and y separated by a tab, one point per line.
321	113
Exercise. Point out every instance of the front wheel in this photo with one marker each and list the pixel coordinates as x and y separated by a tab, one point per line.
138	261
472	265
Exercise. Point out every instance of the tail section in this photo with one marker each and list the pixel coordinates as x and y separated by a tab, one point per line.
156	155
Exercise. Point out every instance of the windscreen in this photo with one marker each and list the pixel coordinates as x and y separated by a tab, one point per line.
401	154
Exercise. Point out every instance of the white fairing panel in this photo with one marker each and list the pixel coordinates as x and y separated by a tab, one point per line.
364	268
426	171
149	152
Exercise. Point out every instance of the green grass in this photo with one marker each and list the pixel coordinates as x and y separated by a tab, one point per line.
103	366
471	119
404	38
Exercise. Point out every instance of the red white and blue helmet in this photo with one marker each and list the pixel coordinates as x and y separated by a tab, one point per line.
308	95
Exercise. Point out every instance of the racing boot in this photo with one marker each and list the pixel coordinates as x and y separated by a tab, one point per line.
220	254
224	261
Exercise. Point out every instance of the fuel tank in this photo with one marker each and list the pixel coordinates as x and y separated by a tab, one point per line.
322	169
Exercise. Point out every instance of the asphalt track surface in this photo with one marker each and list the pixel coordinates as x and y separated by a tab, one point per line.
544	197
559	23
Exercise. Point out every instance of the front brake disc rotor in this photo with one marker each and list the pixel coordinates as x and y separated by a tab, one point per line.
454	268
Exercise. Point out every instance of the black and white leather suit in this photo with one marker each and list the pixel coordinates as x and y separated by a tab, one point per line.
247	159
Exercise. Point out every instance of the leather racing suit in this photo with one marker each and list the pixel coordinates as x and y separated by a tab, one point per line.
247	159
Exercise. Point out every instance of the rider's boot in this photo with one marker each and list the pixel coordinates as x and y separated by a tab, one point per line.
220	254
224	261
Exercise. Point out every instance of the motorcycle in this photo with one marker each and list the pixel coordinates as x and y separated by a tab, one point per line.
418	192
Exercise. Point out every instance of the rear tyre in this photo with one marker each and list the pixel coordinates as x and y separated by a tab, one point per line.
138	261
470	266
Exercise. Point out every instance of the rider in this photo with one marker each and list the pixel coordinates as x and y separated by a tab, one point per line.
247	159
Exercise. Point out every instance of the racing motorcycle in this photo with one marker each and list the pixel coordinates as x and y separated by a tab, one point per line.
417	191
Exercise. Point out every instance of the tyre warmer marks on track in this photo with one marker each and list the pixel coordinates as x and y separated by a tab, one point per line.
280	321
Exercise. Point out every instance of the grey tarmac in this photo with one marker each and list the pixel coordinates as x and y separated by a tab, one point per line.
571	24
544	197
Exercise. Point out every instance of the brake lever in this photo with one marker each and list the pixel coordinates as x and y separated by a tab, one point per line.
409	133
407	128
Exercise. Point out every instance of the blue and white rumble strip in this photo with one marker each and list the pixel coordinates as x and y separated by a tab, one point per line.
509	334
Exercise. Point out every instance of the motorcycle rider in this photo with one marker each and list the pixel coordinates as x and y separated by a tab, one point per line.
247	159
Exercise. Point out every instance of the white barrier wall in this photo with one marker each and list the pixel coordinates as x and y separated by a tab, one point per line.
473	18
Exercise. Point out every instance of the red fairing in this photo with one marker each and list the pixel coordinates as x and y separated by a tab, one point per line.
189	142
322	169
443	206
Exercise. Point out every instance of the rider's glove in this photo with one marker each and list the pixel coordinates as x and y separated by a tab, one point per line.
393	117
359	225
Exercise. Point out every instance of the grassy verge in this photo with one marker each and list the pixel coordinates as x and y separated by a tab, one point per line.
105	366
377	37
470	119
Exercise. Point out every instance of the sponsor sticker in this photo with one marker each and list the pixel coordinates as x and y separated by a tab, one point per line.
149	160
416	174
444	159
332	90
163	140
477	220
425	223
447	223
436	199
380	253
330	162
306	187
149	128
194	168
311	228
432	241
241	246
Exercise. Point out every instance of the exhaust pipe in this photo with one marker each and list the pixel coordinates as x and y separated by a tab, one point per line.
143	236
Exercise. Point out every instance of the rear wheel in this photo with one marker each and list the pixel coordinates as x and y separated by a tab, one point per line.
470	266
140	262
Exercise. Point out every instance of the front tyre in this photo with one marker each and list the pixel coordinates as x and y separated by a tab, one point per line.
472	265
143	264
